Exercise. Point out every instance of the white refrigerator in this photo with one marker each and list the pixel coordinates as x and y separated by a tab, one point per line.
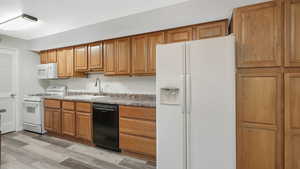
195	87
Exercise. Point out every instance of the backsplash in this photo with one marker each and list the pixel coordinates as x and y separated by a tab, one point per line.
130	85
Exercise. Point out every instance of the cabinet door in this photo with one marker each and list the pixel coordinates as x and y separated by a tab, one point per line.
292	41
292	121
259	125
180	34
44	57
57	121
109	57
258	35
48	120
123	56
69	64
139	54
81	58
210	30
68	123
52	58
95	57
61	63
153	40
84	126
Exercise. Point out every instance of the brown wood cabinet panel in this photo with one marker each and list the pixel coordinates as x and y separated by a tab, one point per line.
81	58
258	35
137	144
258	149
138	127
292	120
61	63
57	121
292	33
153	40
84	126
123	56
68	123
139	54
49	103
84	107
69	70
137	112
68	105
180	34
210	30
95	57
109	57
52	58
43	57
48	120
259	119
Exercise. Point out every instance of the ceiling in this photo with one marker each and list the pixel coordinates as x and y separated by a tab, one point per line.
57	16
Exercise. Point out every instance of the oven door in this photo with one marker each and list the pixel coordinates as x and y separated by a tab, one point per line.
32	112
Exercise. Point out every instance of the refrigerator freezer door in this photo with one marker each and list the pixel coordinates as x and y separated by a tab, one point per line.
170	106
211	103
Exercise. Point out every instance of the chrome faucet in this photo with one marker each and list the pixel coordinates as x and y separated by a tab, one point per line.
98	83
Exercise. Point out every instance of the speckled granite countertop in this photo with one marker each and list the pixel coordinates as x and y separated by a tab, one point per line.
120	99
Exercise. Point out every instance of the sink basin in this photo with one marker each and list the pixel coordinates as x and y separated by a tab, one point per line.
84	97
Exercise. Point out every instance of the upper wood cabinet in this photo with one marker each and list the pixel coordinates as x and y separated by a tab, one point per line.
292	33
259	35
210	30
61	61
44	57
144	53
109	57
292	120
123	56
259	119
95	58
81	58
52	57
179	34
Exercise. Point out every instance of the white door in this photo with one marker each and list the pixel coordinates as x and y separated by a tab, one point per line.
8	66
170	106
211	103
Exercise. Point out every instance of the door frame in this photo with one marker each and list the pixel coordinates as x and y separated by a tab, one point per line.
15	90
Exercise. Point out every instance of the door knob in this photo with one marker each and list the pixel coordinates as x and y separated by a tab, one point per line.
12	95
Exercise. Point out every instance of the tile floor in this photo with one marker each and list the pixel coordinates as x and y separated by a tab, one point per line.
25	150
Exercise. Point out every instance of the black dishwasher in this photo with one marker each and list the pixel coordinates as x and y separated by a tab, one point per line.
106	126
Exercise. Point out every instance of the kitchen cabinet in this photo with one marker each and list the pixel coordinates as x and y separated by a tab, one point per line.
180	34
61	63
84	126
259	35
138	131
81	58
292	33
123	56
292	120
68	118
109	57
259	119
43	57
52	58
210	30
95	57
52	117
144	53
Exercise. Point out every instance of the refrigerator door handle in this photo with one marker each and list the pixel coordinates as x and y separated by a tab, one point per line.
188	93
183	101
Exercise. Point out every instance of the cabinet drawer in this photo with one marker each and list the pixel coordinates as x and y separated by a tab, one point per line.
138	112
137	144
52	104
66	105
83	107
138	127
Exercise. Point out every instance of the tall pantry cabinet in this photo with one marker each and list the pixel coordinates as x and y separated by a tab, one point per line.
268	85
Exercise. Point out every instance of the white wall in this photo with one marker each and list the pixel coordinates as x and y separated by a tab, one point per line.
26	73
133	85
190	12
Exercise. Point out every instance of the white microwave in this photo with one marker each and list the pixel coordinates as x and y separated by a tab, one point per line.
47	71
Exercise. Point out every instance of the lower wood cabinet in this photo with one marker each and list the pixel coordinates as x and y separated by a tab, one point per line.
138	131
68	123
53	120
84	126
